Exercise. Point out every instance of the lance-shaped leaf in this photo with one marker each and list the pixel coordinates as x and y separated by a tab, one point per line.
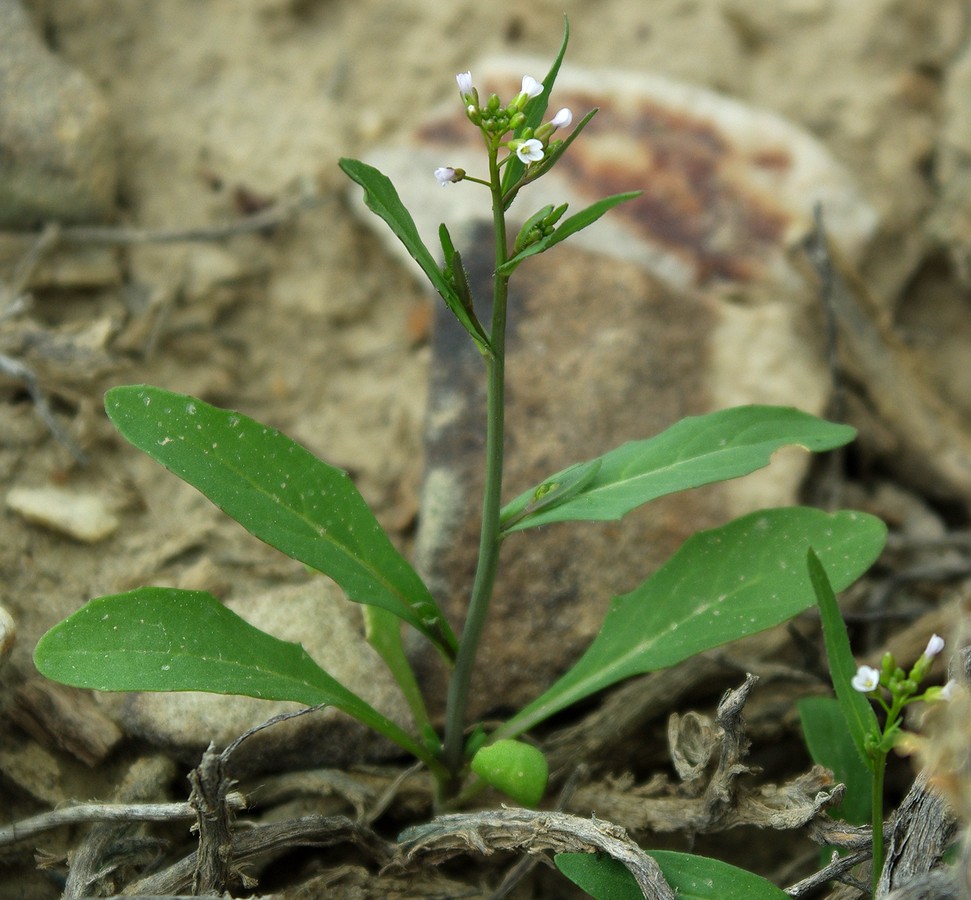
163	639
283	494
567	228
382	199
534	111
860	718
697	450
721	585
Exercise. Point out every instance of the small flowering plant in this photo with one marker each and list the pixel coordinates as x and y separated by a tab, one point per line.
723	584
891	687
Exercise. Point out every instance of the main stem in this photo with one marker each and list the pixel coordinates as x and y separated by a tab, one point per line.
876	820
485	573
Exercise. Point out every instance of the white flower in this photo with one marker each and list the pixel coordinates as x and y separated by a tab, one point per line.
445	175
866	679
464	80
531	87
562	119
934	646
530	151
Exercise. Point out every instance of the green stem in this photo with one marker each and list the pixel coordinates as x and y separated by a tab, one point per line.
876	817
485	573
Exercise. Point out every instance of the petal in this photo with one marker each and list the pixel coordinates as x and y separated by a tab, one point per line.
562	119
531	87
464	81
934	646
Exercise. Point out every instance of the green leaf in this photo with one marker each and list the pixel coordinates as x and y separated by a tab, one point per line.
697	450
830	744
552	493
164	639
692	877
567	228
720	585
534	111
518	770
600	875
857	711
281	493
700	878
382	199
383	632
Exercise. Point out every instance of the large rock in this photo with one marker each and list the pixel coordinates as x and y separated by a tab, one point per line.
678	303
57	159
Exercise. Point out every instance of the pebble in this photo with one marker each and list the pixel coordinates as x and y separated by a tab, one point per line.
81	516
58	152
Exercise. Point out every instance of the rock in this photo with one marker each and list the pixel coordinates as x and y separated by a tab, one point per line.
678	303
57	158
81	516
8	635
317	616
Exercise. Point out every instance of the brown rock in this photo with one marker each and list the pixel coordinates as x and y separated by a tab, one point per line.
57	157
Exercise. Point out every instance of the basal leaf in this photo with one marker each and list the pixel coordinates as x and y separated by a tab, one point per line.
692	877
701	878
163	639
830	744
600	875
281	493
382	199
857	711
720	585
697	450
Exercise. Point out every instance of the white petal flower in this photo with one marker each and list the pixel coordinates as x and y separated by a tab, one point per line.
866	679
947	692
464	80
531	87
530	151
934	646
445	175
562	119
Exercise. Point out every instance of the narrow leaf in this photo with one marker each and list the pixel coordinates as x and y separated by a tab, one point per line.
830	744
857	711
534	111
566	228
163	639
720	585
382	199
281	493
697	450
552	493
383	632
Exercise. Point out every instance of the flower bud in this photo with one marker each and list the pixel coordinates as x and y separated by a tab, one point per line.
448	175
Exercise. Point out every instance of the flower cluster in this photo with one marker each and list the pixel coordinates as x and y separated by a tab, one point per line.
496	121
902	685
